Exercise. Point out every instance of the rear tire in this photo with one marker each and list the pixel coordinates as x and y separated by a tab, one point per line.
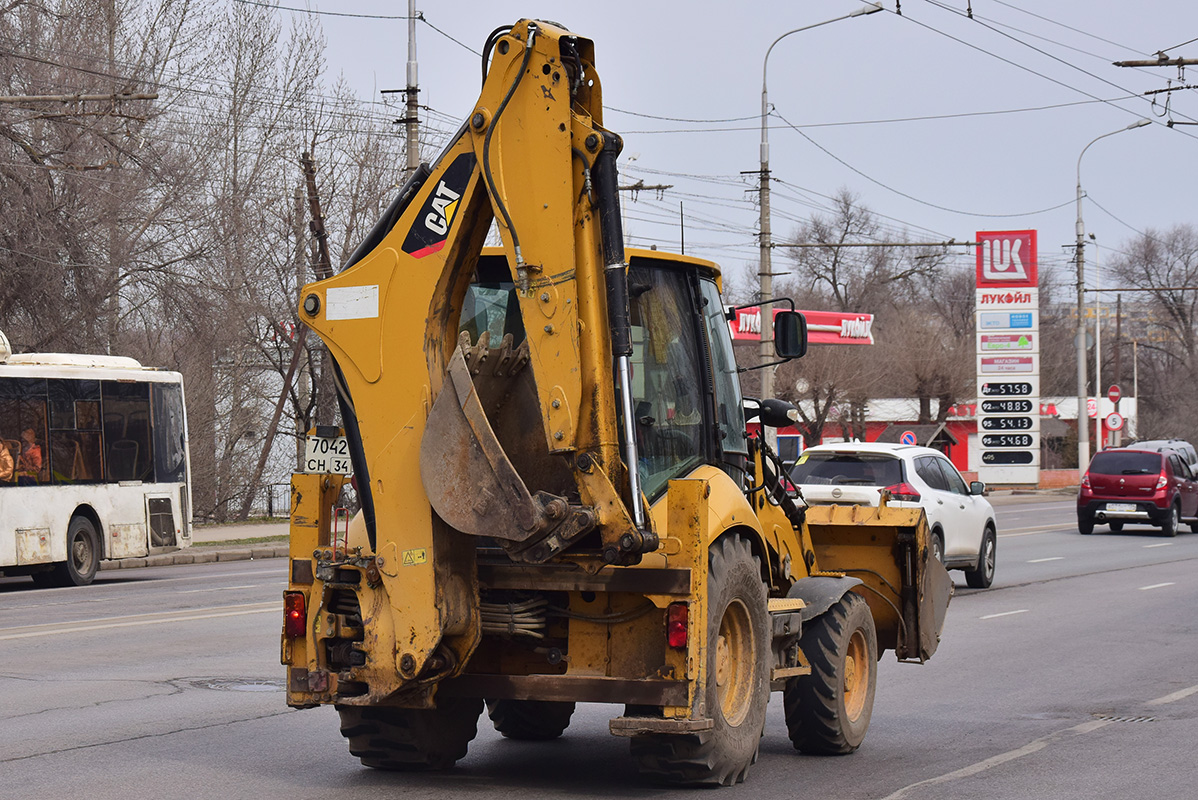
737	679
981	576
1116	526
1170	522
1085	526
533	720
385	737
828	711
83	557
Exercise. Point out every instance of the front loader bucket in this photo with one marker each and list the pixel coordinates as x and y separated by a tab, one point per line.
887	548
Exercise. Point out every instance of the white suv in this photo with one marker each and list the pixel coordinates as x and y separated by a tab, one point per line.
960	519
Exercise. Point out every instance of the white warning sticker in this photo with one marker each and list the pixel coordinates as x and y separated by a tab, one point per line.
352	302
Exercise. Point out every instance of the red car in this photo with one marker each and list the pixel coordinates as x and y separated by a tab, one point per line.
1126	485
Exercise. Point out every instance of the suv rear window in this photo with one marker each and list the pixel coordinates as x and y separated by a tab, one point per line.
1128	462
858	469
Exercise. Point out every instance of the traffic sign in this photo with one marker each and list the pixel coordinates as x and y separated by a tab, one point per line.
1091	407
1113	394
1114	421
908	437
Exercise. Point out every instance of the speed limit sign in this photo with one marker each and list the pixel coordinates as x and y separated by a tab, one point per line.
1114	421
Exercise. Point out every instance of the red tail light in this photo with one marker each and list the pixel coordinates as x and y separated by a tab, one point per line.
904	492
677	617
1162	482
295	615
1086	481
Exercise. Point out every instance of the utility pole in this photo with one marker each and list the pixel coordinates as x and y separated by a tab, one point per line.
411	120
324	270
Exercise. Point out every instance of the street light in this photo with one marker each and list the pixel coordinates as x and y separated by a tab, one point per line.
764	272
1083	428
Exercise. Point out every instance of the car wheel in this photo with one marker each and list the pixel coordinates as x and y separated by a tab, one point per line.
1116	526
983	574
938	546
1169	525
1085	526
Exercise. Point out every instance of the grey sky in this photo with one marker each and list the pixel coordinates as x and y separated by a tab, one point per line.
664	63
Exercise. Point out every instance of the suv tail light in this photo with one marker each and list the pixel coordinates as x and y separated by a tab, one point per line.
904	492
1162	481
1086	481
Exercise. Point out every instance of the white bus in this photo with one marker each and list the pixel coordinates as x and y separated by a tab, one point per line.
93	464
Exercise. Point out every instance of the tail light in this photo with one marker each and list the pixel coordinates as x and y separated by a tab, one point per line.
1086	481
295	615
677	617
1162	482
904	492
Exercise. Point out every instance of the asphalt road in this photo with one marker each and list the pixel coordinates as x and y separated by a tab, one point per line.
1074	676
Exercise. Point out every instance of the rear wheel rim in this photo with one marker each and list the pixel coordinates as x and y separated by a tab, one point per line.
81	552
988	564
856	675
734	660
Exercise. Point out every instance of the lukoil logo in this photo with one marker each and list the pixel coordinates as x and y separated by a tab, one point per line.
1006	258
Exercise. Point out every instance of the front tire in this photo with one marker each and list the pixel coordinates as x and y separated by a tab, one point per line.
828	711
385	737
1116	526
736	682
83	557
532	720
982	575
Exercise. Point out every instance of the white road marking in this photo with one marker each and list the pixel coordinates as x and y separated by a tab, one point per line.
1173	698
1031	747
1155	586
1004	614
135	620
221	588
1161	544
1035	531
1042	560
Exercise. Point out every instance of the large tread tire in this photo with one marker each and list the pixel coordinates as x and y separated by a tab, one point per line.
982	575
83	557
532	720
737	679
385	737
828	711
1170	523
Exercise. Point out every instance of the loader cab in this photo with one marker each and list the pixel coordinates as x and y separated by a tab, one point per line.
687	403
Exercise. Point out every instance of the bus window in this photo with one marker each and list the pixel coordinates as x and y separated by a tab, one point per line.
170	444
23	428
126	408
75	450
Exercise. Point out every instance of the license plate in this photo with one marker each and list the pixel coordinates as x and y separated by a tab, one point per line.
1121	508
327	454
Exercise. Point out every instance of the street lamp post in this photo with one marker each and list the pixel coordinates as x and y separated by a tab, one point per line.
764	273
1083	427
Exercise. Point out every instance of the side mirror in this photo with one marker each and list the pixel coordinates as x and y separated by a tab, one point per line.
977	487
777	413
790	334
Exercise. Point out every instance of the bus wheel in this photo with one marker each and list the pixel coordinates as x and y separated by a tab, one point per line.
83	557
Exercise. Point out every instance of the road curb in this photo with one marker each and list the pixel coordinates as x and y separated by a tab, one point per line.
201	555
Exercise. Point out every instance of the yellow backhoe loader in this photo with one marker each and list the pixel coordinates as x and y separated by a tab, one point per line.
559	499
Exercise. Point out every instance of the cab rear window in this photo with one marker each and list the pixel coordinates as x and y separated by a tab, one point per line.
858	469
1111	462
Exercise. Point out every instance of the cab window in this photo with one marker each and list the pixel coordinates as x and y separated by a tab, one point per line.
667	396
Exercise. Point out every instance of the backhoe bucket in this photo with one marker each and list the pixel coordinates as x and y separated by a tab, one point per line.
887	548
